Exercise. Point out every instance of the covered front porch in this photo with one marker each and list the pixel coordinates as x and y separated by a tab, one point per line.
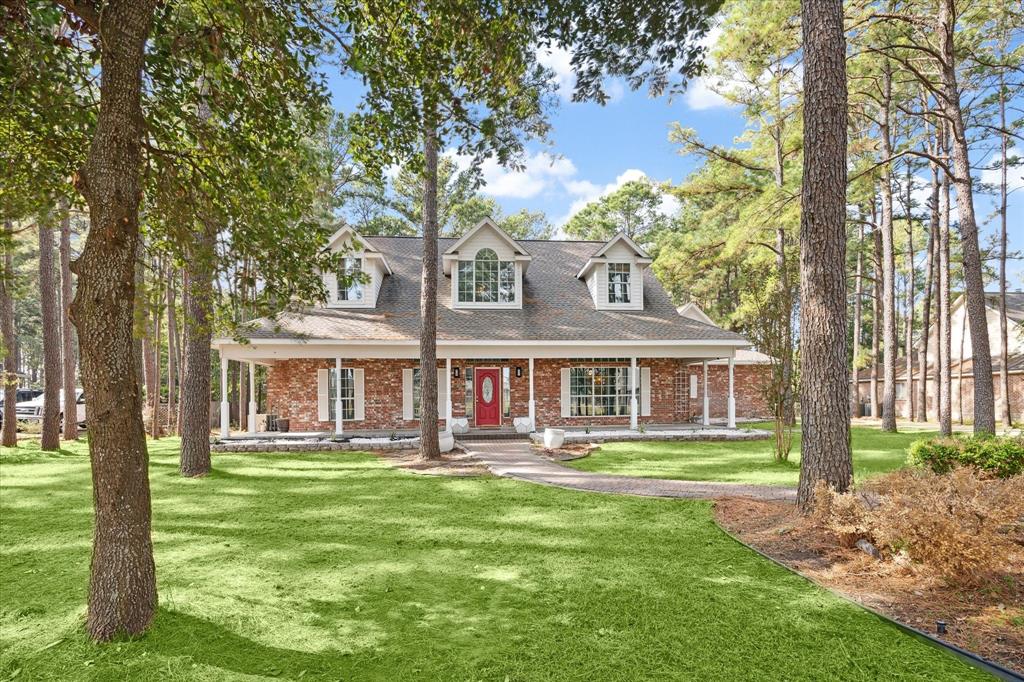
336	389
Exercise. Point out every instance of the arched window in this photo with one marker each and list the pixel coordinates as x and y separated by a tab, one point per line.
485	279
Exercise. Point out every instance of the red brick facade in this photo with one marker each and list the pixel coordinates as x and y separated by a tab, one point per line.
292	392
961	394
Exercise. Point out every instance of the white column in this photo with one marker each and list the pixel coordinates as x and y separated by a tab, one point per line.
732	396
252	397
533	403
707	399
448	395
225	408
338	426
632	394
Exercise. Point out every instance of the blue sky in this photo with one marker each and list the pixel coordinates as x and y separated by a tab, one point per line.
596	148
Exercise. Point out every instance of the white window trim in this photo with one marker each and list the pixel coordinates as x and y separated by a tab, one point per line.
371	269
636	297
515	305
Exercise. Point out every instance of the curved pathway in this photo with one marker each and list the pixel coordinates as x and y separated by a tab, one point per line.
516	459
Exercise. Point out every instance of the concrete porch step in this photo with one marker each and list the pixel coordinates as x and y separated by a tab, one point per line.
492	434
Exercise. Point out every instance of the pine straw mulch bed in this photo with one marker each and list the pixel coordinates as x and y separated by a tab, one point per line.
987	621
454	463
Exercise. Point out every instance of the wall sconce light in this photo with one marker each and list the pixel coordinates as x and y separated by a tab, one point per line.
455	372
519	372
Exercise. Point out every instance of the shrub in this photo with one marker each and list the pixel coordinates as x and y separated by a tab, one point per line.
960	526
999	457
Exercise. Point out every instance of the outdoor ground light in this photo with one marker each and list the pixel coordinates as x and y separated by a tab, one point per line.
940	627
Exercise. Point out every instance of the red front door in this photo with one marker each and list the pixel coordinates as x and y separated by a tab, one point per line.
488	397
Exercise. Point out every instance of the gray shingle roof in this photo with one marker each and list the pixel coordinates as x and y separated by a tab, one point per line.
557	306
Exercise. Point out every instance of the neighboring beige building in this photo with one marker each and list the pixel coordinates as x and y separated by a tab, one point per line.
962	385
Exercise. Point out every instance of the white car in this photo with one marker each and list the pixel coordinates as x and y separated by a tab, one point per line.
32	410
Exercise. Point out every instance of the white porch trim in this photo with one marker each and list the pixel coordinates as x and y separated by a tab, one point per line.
225	407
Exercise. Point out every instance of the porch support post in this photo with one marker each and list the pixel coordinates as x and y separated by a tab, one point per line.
339	427
707	399
225	408
532	403
732	395
448	395
252	397
632	394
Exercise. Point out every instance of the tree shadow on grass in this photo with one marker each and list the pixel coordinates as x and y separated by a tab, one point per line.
177	634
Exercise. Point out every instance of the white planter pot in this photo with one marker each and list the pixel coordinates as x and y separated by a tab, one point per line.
460	425
553	438
446	439
522	424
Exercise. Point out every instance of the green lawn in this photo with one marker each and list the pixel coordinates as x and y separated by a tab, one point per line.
334	566
874	452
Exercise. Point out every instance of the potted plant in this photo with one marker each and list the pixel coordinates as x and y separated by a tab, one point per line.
283	424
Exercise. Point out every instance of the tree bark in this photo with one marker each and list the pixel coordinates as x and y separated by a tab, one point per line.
49	439
429	444
824	376
908	338
876	320
195	385
974	283
172	353
122	585
9	431
889	344
154	397
926	310
66	328
944	346
1004	352
857	312
960	371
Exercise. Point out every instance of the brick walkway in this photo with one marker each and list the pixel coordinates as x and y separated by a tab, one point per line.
516	459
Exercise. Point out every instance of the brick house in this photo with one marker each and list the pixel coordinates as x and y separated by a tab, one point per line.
531	333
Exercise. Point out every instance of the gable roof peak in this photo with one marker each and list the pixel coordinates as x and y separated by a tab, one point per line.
623	237
489	223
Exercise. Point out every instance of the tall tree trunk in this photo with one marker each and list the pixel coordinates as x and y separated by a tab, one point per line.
974	283
195	385
926	310
9	431
824	375
429	444
785	293
960	372
172	353
243	375
944	346
908	337
66	328
154	397
122	585
1004	352
857	312
889	344
198	298
876	320
49	438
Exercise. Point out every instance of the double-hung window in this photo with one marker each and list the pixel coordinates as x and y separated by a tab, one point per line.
351	272
348	394
599	391
485	279
618	282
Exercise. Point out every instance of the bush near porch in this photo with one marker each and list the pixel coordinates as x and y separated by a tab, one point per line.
874	452
335	566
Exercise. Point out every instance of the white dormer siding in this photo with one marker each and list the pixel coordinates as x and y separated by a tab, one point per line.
361	254
619	259
486	246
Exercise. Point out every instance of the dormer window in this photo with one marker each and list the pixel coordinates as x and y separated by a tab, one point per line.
618	282
485	279
352	269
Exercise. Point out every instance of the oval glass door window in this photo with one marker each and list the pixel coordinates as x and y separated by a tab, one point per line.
487	390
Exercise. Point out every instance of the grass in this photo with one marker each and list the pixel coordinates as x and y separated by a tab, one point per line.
334	566
874	452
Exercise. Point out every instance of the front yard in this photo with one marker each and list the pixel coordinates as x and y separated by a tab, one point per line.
874	452
336	566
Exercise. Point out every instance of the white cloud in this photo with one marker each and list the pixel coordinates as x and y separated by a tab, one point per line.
541	172
587	192
700	96
1014	175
